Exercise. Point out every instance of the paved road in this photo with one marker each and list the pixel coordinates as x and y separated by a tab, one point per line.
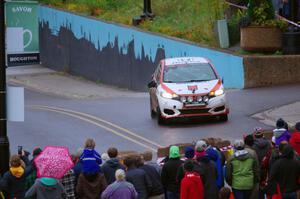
119	121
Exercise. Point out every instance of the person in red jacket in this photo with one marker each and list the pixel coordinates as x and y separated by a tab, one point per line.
191	185
295	138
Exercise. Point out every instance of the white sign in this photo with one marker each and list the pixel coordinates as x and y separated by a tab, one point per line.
15	36
15	104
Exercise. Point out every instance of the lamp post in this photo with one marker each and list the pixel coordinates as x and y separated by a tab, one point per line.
147	9
4	143
293	10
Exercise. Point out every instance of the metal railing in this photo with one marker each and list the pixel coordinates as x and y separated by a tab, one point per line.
277	15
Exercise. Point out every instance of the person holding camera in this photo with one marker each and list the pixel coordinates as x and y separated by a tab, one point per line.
13	181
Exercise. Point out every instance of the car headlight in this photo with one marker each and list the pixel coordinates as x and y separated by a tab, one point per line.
190	99
205	98
199	98
217	92
183	99
167	95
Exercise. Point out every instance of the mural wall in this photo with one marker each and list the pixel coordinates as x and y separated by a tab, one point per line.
118	55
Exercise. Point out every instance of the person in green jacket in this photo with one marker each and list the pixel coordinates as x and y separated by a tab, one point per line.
242	172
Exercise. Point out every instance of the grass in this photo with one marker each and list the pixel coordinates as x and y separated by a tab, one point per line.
192	20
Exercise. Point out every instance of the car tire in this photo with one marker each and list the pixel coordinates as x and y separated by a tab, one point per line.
223	118
160	119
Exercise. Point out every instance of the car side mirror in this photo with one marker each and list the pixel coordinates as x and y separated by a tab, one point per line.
152	84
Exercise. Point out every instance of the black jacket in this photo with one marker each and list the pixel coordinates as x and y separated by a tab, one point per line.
140	181
210	175
197	168
151	172
286	171
109	168
169	175
261	147
13	185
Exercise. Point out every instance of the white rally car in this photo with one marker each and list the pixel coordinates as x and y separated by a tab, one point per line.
186	87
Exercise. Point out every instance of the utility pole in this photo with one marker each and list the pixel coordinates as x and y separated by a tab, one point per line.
4	143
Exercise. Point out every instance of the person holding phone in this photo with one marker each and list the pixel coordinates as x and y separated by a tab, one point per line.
13	181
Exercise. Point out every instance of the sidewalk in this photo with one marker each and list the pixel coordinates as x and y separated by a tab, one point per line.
48	81
290	113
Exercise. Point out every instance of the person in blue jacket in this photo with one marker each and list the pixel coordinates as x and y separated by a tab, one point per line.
90	159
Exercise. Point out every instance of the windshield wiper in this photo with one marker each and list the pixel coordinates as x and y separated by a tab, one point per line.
198	80
169	81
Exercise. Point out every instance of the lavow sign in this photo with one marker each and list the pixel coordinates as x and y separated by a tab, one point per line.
22	33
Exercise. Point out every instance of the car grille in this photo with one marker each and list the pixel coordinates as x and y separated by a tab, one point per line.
194	111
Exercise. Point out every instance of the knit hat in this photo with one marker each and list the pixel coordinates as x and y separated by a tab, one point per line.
280	123
36	152
174	152
200	146
297	126
189	152
258	132
238	144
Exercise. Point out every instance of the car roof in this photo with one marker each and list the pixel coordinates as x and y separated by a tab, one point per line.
185	60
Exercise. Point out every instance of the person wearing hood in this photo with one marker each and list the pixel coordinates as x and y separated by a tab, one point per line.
216	157
13	181
281	132
286	173
295	138
208	169
169	173
110	167
261	145
45	188
241	171
90	186
191	185
120	188
90	158
263	149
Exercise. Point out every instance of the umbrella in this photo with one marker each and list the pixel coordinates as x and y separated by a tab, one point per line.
53	162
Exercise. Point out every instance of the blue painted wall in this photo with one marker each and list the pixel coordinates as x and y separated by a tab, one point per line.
101	34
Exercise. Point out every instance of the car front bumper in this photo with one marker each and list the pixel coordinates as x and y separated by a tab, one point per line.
171	108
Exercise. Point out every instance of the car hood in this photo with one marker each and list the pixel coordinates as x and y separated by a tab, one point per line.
187	88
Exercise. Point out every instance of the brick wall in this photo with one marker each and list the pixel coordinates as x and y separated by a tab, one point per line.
262	71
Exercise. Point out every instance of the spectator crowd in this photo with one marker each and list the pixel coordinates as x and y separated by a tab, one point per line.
254	168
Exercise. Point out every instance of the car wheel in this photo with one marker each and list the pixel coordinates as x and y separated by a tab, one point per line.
223	118
160	119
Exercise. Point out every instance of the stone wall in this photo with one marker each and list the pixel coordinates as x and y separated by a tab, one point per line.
260	71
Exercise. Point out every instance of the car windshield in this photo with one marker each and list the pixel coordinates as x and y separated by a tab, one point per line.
188	73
